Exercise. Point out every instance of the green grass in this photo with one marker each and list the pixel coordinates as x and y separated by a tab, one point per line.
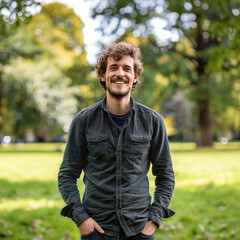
206	197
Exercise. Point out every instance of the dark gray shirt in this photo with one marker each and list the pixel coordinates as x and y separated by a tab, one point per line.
115	169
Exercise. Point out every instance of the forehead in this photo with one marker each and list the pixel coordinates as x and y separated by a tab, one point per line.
124	61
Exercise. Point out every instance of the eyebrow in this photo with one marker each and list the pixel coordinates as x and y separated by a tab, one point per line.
116	65
113	65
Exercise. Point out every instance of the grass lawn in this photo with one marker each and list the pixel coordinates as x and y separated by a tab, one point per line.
206	197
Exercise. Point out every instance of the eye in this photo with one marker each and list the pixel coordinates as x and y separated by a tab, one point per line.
113	68
127	69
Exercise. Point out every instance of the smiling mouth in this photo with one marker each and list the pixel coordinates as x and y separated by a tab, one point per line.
117	82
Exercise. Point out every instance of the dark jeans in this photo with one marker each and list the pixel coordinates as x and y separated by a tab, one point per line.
95	235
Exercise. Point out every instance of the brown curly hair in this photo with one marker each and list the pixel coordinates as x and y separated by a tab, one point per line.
117	51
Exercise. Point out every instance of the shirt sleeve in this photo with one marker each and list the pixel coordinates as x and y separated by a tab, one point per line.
163	170
70	170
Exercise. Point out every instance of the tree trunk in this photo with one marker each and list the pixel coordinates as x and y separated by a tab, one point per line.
205	131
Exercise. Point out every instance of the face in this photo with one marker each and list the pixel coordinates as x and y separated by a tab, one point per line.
119	77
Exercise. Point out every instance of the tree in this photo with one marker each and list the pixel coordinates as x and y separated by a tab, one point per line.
204	36
52	40
58	30
38	94
12	14
179	109
15	12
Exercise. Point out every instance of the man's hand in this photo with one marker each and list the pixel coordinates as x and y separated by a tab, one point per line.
88	226
149	228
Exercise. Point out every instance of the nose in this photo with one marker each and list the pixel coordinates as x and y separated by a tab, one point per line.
120	72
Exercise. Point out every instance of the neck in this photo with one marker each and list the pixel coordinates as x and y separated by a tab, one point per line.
118	106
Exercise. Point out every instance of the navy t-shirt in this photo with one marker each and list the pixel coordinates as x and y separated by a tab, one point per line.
119	120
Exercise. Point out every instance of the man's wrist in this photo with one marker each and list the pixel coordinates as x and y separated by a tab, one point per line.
157	226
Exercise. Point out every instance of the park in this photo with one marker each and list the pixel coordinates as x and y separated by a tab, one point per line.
191	60
206	197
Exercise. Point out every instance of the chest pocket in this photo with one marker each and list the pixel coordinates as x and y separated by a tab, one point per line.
139	145
97	146
136	161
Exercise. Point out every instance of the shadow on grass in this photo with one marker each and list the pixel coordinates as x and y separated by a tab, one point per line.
203	212
37	224
28	189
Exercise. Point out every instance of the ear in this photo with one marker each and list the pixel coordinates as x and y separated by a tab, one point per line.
102	77
135	78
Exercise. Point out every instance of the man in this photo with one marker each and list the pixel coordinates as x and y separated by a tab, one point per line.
113	142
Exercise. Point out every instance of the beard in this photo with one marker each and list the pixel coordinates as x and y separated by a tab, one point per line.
117	95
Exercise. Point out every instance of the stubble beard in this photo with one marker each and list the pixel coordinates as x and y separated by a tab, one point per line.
116	94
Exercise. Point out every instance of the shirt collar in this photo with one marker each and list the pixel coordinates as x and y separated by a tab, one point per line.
132	109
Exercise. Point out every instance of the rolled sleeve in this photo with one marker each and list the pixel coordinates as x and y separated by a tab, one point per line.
70	170
76	212
163	170
157	213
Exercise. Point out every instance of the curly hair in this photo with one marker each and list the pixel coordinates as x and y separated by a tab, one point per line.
117	51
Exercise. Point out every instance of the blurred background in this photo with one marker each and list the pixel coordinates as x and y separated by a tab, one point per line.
191	76
190	51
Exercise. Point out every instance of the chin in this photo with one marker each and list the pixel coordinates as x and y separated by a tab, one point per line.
118	95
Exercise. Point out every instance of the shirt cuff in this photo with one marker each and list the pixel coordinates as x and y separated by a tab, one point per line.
157	213
76	212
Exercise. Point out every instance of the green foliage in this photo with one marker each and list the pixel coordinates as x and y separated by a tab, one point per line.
38	93
201	48
206	196
44	74
17	44
14	12
58	30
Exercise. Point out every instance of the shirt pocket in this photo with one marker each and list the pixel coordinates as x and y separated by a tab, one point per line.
136	151
97	146
139	146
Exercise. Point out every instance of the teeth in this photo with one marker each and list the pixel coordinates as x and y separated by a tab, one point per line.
119	82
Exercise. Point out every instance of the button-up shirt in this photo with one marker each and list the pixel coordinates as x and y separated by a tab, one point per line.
115	167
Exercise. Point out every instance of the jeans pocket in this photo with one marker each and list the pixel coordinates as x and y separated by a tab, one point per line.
89	236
